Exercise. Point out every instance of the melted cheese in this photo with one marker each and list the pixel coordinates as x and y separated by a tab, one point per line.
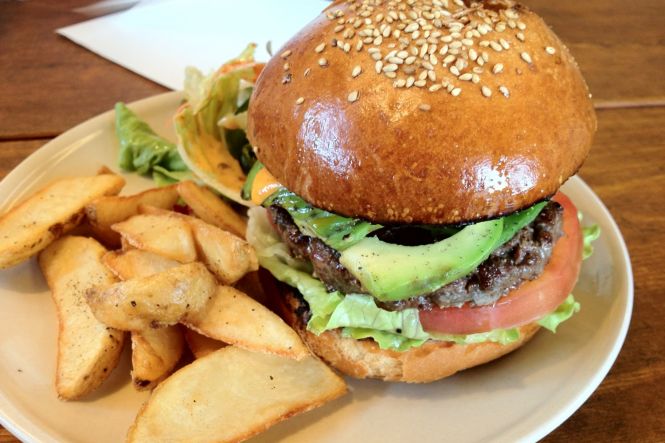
263	186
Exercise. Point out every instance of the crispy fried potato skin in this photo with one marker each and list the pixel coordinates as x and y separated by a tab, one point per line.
88	350
211	208
235	318
105	211
48	214
233	394
162	299
226	255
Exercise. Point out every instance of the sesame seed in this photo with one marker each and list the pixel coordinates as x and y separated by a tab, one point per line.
307	71
378	66
285	54
455	92
319	49
449	59
323	62
353	96
431	75
410	81
504	91
521	26
520	36
300	101
396	60
286	66
526	57
487	92
497	68
475	78
504	43
399	83
466	77
496	46
411	27
435	87
454	71
550	50
419	83
390	67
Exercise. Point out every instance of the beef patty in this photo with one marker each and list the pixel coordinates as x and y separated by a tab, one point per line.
520	259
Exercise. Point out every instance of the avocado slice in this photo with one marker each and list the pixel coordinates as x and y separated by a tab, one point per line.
393	272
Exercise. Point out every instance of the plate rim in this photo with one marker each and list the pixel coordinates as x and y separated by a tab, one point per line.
31	167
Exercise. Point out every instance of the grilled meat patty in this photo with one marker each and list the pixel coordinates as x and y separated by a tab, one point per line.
520	259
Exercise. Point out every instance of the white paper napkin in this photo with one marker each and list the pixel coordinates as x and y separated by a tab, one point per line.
158	40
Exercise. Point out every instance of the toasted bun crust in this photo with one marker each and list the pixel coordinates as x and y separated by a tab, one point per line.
418	154
364	359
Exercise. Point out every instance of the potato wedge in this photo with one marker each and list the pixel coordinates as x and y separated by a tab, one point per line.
135	263
46	215
231	395
227	256
88	350
155	352
161	299
211	208
200	345
167	236
235	318
107	211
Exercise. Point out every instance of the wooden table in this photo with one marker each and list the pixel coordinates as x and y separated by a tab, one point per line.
48	84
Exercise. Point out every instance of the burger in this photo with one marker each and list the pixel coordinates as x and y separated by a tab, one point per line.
409	155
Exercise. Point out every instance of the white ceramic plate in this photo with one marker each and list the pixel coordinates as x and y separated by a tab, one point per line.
523	396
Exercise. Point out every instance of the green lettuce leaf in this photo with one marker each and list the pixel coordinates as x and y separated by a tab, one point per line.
141	149
589	235
357	314
561	314
212	122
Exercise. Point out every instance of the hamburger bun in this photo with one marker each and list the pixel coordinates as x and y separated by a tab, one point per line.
364	359
503	120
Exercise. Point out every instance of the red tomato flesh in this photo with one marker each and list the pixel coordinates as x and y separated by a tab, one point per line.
530	301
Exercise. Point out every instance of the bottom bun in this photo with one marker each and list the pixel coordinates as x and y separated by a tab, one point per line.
364	359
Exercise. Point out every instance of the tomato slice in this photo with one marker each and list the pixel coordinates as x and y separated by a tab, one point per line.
530	301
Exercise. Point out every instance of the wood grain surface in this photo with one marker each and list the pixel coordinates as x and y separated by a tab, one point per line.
48	84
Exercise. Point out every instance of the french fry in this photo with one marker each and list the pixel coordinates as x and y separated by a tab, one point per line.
161	299
231	395
54	210
226	255
155	352
106	211
167	236
88	350
211	208
135	263
200	345
235	318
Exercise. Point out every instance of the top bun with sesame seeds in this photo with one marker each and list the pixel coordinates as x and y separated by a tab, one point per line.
422	111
